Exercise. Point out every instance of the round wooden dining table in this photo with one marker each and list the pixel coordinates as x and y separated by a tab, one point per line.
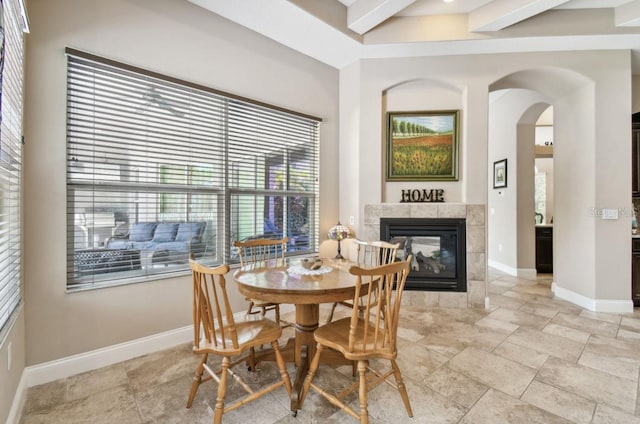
282	284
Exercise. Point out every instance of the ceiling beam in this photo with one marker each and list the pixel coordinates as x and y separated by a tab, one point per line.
289	25
628	14
366	14
500	14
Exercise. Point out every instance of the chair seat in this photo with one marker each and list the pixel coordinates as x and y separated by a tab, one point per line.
336	336
250	334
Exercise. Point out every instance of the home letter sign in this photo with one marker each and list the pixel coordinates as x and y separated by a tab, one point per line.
422	196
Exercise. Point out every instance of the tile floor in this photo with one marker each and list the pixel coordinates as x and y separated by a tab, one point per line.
529	359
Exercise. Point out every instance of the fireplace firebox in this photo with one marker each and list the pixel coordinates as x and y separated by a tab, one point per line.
438	249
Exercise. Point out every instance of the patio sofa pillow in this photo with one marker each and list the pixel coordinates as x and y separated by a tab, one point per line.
190	231
142	231
165	232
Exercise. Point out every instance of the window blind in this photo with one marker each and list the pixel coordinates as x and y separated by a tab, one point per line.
13	24
159	170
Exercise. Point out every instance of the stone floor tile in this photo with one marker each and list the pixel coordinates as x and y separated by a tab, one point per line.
498	289
566	332
385	406
526	297
551	344
559	402
116	405
536	289
167	402
88	383
602	316
452	359
455	386
505	302
606	415
537	309
630	324
498	408
590	383
589	325
627	335
519	318
495	371
452	339
497	325
620	367
523	355
419	360
45	396
154	369
613	348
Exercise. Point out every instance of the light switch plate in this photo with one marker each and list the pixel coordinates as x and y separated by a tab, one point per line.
609	213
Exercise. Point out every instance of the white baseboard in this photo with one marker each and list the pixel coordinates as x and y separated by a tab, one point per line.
18	401
94	359
528	273
596	305
502	267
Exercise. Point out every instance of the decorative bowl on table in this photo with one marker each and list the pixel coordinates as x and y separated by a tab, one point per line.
311	263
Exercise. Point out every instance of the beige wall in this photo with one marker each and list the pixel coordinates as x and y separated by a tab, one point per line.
171	37
593	90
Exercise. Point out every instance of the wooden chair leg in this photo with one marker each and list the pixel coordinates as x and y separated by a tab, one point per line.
222	389
282	367
313	367
333	308
277	312
362	392
197	379
401	387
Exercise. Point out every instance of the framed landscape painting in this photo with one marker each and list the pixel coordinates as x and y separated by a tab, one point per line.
422	146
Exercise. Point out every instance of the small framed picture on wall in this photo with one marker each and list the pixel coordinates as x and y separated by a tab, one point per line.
500	174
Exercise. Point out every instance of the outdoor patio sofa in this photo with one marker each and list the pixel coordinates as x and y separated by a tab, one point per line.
165	241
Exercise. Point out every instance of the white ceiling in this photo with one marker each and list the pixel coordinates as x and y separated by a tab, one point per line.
339	32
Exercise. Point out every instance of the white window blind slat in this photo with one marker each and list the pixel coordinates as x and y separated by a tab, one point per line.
10	162
149	152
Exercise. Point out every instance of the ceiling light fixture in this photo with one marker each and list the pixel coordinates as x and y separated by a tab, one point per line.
448	1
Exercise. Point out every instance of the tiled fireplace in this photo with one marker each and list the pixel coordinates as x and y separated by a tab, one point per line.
474	292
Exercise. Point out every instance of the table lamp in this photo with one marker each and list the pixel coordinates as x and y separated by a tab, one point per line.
339	232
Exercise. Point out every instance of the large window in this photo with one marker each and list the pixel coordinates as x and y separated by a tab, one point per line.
160	170
13	24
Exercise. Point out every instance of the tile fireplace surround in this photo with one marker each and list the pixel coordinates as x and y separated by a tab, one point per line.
475	217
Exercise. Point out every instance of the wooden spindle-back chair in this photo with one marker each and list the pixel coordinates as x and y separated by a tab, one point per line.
372	335
369	254
263	253
215	332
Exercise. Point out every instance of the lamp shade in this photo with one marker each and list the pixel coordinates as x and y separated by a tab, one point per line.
339	232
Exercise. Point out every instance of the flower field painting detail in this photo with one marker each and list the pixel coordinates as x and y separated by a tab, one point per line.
422	146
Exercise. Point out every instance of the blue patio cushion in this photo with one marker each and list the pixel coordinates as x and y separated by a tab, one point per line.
142	231
165	232
190	231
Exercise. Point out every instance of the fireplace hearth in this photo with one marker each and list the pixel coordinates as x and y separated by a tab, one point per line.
438	249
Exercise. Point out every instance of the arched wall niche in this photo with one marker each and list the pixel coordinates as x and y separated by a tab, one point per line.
424	95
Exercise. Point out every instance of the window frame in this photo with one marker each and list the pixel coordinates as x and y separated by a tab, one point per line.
174	179
14	25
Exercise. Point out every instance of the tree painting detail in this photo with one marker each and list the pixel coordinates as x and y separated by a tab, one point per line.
422	146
